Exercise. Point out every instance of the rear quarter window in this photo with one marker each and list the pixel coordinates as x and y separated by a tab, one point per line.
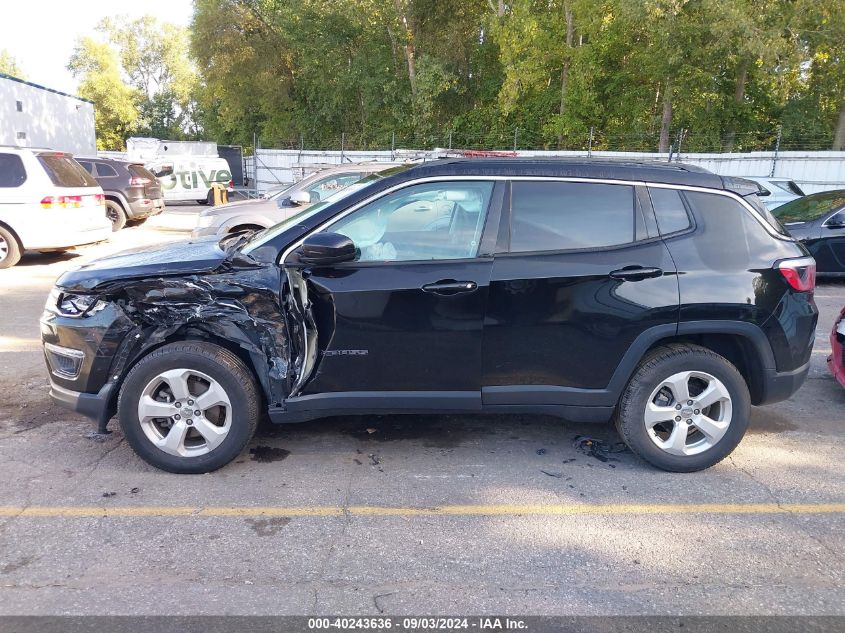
12	171
727	238
552	216
64	171
669	208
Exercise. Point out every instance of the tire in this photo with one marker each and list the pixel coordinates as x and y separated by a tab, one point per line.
116	215
205	201
10	249
652	395
192	367
209	198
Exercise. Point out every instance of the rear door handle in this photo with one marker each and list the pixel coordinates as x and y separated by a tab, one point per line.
636	273
450	287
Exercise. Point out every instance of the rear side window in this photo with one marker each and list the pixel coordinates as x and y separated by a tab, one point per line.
670	210
64	171
12	172
551	216
105	171
728	238
88	165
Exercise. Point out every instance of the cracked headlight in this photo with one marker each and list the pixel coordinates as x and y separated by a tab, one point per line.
73	305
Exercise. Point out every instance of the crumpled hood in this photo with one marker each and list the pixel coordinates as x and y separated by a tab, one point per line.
173	258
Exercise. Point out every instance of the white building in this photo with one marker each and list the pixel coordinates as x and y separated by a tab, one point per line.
35	116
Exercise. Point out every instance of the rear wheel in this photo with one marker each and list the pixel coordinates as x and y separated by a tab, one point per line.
10	250
685	409
189	407
116	215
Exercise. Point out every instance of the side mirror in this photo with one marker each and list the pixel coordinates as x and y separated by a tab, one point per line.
300	198
326	249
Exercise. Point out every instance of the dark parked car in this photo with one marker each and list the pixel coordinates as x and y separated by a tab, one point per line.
654	295
818	222
132	192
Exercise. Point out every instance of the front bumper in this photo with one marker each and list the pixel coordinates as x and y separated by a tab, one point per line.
206	231
97	406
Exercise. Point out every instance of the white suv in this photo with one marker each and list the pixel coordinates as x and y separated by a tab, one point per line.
48	202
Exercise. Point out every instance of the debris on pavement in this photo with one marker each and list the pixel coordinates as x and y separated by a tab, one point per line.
597	448
552	474
94	436
109	494
267	454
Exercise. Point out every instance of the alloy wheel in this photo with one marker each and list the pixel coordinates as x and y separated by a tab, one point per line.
185	412
688	413
4	248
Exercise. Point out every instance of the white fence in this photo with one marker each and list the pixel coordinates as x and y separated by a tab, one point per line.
813	171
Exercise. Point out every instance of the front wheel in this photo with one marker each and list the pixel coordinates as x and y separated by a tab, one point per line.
685	408
189	407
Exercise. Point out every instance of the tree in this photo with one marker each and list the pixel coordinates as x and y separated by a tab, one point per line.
9	65
115	103
154	58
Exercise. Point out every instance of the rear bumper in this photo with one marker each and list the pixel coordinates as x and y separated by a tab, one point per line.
92	405
144	208
68	236
780	385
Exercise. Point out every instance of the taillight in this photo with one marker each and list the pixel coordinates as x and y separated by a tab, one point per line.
100	199
139	181
231	184
800	273
62	202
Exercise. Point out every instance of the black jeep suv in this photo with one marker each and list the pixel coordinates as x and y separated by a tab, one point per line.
661	296
132	192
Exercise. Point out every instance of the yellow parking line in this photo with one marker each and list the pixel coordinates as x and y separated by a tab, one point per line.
449	510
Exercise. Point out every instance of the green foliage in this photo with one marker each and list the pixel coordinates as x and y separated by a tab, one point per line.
116	103
141	79
9	65
619	74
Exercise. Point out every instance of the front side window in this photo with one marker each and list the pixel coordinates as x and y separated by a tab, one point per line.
440	220
161	171
12	172
325	187
553	216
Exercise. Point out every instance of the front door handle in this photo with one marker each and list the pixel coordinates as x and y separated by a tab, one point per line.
636	273
448	287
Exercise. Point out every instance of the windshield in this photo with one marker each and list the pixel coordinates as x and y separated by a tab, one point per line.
262	237
810	208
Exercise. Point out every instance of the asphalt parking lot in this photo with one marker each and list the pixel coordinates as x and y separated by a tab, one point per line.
410	514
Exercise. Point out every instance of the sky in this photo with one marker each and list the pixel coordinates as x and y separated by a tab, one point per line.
41	34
